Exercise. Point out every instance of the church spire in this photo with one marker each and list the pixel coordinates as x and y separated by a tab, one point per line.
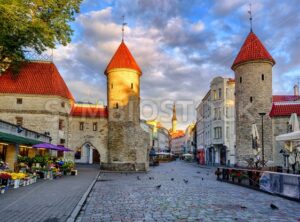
174	119
174	112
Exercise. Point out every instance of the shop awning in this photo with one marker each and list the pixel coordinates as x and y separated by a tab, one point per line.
9	138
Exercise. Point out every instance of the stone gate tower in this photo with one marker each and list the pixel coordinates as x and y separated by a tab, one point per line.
128	144
253	95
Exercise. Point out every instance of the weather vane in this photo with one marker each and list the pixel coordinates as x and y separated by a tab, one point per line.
123	27
250	14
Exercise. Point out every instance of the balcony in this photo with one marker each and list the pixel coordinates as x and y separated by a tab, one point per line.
15	134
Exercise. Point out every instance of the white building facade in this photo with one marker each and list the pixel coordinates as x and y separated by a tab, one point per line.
216	121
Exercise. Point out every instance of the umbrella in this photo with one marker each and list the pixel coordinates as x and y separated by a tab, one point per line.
255	136
255	141
293	123
65	149
293	136
52	147
47	146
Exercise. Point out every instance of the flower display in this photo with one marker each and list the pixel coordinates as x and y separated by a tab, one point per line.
5	176
18	176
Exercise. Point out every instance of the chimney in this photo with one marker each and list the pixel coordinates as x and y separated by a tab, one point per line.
296	90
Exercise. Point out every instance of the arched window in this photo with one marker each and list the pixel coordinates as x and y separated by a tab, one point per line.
262	77
117	106
241	79
131	85
251	99
112	86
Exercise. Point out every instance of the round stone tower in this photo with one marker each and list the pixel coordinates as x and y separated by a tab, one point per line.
127	142
123	86
253	95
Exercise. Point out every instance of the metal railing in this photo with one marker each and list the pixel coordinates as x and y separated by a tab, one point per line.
16	130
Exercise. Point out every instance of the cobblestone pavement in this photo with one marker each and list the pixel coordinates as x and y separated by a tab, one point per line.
121	197
48	200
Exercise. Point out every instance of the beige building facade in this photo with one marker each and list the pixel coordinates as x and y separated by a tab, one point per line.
39	99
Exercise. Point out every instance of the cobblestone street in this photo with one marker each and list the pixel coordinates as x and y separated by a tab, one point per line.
47	200
123	197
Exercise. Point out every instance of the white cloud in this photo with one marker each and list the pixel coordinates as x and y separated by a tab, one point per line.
198	26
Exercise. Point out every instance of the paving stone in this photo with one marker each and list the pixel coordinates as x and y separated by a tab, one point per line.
208	200
47	200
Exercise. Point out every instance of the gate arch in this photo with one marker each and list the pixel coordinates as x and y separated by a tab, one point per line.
87	153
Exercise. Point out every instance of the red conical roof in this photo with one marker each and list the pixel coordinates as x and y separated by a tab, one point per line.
252	50
122	59
38	78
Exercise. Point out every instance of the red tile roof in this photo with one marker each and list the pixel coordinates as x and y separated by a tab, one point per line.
177	134
252	50
90	111
285	98
38	78
229	81
123	59
284	109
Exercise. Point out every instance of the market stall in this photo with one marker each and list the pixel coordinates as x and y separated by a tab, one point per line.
31	168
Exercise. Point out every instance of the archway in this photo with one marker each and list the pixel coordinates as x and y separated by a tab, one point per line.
87	154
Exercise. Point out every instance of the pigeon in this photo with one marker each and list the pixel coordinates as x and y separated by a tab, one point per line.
158	187
138	178
172	179
198	172
243	207
202	178
150	178
186	181
273	207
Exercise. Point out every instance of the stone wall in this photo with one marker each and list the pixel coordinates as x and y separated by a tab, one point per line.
128	143
43	113
249	84
39	113
98	138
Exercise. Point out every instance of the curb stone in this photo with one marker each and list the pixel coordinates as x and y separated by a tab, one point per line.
73	216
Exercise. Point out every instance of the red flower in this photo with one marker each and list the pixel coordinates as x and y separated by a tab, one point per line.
5	176
238	174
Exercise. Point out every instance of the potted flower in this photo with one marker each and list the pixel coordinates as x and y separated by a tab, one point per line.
4	178
17	177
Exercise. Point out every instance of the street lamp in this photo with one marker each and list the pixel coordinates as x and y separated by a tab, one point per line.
262	138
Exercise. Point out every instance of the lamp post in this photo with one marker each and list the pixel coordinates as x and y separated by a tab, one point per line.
262	138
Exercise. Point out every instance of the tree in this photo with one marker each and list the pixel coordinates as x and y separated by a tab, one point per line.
35	25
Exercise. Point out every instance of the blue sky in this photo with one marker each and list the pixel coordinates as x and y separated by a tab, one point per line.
180	45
